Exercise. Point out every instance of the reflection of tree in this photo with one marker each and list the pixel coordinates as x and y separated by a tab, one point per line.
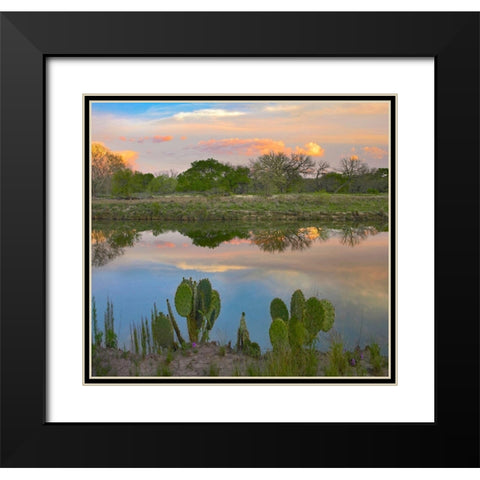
212	237
109	244
352	236
279	240
109	240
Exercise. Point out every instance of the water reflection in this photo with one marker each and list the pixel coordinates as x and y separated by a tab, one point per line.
142	264
109	240
352	236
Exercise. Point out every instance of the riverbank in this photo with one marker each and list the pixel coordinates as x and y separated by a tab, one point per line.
359	208
214	360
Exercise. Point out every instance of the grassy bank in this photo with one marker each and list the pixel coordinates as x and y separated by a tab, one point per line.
244	207
212	360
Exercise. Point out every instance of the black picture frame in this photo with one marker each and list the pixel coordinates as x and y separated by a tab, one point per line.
28	39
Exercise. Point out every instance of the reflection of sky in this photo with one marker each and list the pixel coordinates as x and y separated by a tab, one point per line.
354	279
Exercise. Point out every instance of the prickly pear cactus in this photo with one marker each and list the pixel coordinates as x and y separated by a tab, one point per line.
200	304
297	305
162	331
329	315
314	317
279	335
278	309
297	333
184	299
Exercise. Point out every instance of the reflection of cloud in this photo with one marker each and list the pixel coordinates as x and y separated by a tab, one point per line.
281	108
209	268
207	113
239	241
164	245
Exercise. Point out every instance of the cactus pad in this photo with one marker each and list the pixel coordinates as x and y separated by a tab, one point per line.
278	309
184	299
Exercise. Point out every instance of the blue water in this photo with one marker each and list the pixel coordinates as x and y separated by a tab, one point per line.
352	275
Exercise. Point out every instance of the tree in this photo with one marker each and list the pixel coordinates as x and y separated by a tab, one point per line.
163	183
104	164
210	174
277	172
321	168
237	179
122	183
350	168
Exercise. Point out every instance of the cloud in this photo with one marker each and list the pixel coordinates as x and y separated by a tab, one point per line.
129	157
243	146
257	146
160	139
357	108
183	137
123	139
312	149
375	152
207	113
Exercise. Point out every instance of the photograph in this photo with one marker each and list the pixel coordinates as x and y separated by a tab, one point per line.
240	238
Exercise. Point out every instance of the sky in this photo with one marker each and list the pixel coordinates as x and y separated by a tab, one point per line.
167	136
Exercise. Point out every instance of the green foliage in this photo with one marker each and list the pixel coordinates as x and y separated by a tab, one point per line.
200	304
162	184
122	183
110	335
278	309
278	333
376	358
162	331
337	360
213	370
212	175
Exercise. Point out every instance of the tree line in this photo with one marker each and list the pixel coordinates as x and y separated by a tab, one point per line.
271	173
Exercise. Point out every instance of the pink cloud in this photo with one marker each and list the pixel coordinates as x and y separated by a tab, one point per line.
183	137
257	146
123	139
312	149
375	152
129	157
160	139
245	146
